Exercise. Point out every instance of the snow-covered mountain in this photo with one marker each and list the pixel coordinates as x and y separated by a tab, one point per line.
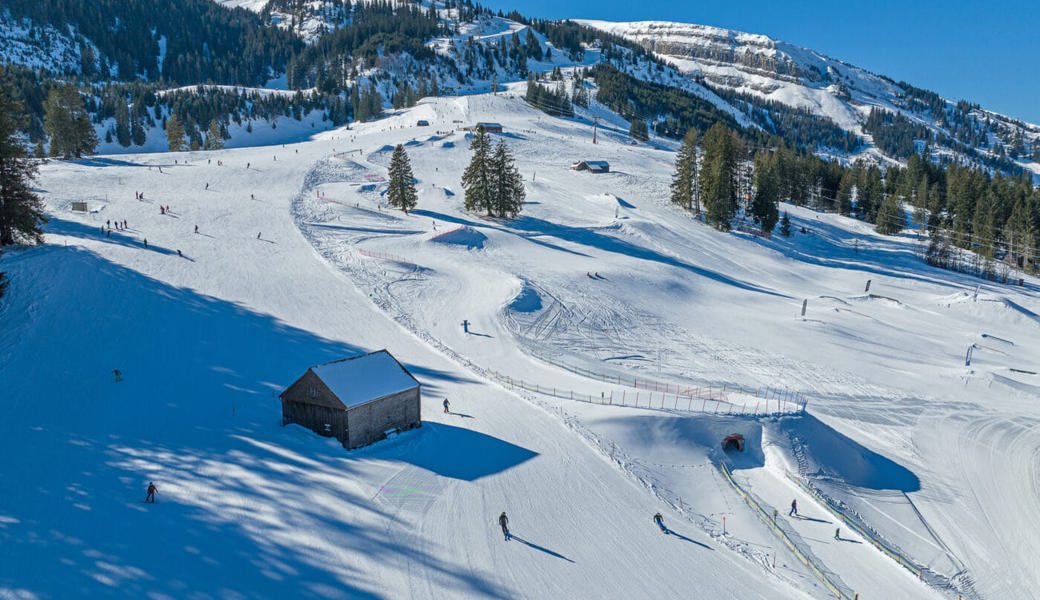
761	67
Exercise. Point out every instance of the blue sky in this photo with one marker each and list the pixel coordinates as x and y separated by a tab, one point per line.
985	52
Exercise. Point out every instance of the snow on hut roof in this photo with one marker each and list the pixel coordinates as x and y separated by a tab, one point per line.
597	163
364	378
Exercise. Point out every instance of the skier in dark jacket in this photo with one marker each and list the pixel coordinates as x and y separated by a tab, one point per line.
794	508
659	521
503	521
151	493
446	406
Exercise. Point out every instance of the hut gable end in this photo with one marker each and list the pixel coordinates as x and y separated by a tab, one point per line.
310	389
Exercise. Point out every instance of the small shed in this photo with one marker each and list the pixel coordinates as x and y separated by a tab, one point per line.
422	123
592	166
357	400
488	126
80	206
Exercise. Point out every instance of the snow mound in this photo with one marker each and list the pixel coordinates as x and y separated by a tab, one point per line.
463	236
527	301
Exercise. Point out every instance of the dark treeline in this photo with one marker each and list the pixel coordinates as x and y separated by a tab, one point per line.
205	42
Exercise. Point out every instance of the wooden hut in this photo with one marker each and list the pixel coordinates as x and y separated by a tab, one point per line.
357	400
592	166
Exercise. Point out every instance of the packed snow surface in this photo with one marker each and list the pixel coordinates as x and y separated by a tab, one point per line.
599	283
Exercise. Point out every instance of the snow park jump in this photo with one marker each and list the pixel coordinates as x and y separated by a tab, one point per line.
282	342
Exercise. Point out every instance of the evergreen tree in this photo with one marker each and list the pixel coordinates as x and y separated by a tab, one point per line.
214	138
718	176
476	179
684	182
1019	233
175	135
844	196
67	123
401	190
891	219
638	130
767	192
3	283
785	225
122	124
507	184
21	210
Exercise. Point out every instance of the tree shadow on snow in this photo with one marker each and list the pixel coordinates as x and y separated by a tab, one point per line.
245	508
90	232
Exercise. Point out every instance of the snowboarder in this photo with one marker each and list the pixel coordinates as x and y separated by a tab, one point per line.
446	405
503	521
837	534
118	375
794	508
151	493
659	521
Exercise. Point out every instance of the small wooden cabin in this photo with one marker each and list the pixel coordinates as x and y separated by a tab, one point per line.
592	166
357	400
487	126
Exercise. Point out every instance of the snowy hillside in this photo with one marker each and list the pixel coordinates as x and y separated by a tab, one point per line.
799	77
613	342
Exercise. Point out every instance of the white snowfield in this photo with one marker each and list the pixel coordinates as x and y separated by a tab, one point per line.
296	262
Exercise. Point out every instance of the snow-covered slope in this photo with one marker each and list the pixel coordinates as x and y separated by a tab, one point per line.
799	77
297	261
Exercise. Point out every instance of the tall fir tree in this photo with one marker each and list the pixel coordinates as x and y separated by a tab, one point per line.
785	225
67	123
476	179
891	219
214	137
506	182
21	210
175	136
845	189
684	181
718	176
401	190
764	207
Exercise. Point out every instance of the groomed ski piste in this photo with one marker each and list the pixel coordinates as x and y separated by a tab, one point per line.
600	291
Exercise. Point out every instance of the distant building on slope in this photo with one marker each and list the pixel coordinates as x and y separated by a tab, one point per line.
358	400
592	166
487	126
422	123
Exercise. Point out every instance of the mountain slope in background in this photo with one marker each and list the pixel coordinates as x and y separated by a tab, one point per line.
758	68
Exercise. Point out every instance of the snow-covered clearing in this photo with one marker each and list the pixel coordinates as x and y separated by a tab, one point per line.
297	262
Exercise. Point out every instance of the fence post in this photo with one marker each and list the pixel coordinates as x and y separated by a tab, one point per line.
690	403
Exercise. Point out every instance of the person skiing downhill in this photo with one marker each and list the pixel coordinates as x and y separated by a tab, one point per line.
794	508
837	533
503	521
446	405
118	375
659	521
151	493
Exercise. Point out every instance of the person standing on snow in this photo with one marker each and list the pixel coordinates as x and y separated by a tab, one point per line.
118	375
659	521
503	522
794	508
151	493
837	533
446	404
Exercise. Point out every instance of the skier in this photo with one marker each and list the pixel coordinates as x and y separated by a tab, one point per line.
837	533
465	326
145	242
162	210
247	165
151	493
659	521
446	405
794	508
257	235
118	375
108	222
179	253
196	229
207	185
503	521
124	223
